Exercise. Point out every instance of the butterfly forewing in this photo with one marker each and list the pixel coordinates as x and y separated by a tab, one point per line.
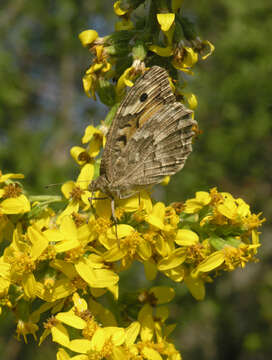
150	137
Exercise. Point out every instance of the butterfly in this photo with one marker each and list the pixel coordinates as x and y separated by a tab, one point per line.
150	137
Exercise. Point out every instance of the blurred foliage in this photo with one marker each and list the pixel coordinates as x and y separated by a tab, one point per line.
43	111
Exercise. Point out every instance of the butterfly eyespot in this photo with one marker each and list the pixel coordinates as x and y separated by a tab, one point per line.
143	97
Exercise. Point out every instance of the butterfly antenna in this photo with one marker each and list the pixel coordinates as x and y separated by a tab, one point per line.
51	185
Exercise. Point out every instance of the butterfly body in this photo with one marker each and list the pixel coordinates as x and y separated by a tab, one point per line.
150	137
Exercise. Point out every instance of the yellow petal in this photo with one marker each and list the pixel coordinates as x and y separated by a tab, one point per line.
144	250
211	48
163	294
123	230
68	228
18	205
62	355
161	51
132	331
176	258
124	80
118	11
116	334
87	37
76	152
38	240
192	100
176	274
147	323
196	287
202	199
156	217
255	237
29	285
89	85
166	20
131	204
67	188
80	303
60	335
98	340
82	346
211	262
98	278
102	206
186	237
150	270
69	318
85	176
89	133
150	354
101	313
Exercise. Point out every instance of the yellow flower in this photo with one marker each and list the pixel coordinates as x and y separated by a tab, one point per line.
125	80
117	9
184	59
204	47
99	67
233	209
95	139
25	328
191	100
87	37
77	192
166	20
194	205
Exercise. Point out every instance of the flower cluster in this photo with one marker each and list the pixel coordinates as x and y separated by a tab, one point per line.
60	267
65	263
162	37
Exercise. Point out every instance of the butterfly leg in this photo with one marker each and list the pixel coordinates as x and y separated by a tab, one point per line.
115	220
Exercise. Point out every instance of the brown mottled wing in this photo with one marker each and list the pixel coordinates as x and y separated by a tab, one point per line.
148	97
158	149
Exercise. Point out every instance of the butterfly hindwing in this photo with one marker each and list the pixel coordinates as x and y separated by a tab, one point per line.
146	98
160	148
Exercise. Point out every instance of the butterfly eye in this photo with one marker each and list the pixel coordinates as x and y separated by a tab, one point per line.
143	97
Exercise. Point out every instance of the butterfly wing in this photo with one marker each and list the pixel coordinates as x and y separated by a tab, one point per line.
158	149
147	97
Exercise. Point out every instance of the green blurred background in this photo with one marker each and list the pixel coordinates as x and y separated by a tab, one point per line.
43	112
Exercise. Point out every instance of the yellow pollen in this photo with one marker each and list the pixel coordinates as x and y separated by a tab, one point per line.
101	225
130	243
52	321
22	263
74	254
84	156
12	191
76	193
216	196
90	329
195	253
79	219
79	283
